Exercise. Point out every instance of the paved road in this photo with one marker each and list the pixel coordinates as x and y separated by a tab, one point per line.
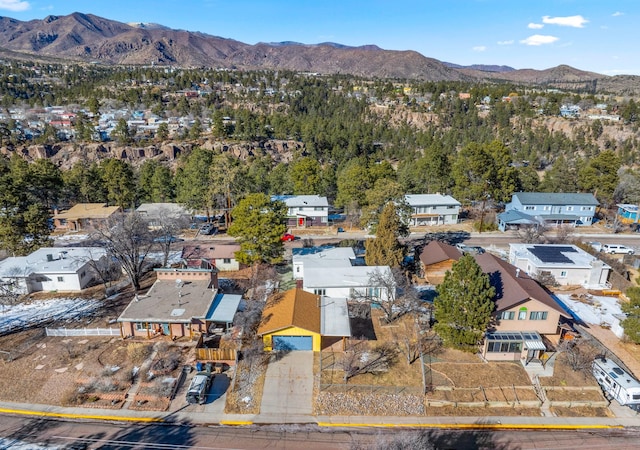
111	436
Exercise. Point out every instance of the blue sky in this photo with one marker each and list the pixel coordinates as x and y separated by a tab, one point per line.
596	35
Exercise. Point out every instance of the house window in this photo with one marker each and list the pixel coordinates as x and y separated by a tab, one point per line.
586	208
529	208
507	315
563	274
504	347
226	260
322	292
522	314
373	292
318	208
569	208
60	279
538	315
547	208
142	326
82	274
298	269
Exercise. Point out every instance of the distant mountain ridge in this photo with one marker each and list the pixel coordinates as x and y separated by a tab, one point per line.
89	38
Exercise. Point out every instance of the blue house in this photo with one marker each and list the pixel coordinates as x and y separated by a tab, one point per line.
549	208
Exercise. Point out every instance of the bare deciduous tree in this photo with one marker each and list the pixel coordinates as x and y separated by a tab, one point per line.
415	341
166	224
396	295
579	355
532	234
359	359
127	239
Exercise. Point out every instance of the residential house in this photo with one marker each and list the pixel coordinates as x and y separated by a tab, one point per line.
53	269
351	282
305	210
432	209
181	303
325	256
82	216
156	213
436	258
299	320
570	111
524	313
567	264
551	208
628	213
222	257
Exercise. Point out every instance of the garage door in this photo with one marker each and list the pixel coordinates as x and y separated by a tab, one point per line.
292	343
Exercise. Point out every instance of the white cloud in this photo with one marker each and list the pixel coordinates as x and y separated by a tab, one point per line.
510	42
568	21
479	48
617	14
539	39
14	5
535	26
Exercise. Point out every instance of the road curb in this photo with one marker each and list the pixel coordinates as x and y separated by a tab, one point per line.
473	426
24	412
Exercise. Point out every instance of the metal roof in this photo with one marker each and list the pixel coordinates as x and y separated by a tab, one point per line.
335	317
555	198
223	308
430	200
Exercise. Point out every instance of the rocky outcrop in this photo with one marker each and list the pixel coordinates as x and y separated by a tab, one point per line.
65	155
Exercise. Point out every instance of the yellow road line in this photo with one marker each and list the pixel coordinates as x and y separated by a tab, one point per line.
475	426
78	416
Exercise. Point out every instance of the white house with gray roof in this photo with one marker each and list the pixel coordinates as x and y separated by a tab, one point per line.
568	264
305	210
52	269
353	282
432	209
551	208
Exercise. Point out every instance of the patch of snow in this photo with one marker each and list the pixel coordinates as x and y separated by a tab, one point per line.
23	315
597	311
15	444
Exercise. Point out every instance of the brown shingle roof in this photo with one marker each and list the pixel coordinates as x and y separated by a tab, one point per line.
435	252
87	211
512	290
293	308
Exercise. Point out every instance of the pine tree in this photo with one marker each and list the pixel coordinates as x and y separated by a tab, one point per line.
385	249
631	324
464	304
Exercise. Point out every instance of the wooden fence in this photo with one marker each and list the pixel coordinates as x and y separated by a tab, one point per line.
215	354
82	331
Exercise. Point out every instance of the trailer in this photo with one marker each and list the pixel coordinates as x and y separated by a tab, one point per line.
616	383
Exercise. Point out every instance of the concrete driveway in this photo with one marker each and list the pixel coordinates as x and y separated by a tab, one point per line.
288	389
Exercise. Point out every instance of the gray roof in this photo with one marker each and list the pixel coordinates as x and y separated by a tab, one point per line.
517	217
50	260
157	210
555	198
332	257
430	200
223	308
293	201
166	303
338	277
335	317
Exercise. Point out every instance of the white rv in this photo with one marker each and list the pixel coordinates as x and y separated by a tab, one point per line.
616	383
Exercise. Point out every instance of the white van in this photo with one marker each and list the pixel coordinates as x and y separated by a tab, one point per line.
616	248
199	388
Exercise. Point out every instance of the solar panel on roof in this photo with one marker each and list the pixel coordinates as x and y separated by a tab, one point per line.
552	254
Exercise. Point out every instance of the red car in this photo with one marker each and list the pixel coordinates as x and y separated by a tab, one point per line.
287	237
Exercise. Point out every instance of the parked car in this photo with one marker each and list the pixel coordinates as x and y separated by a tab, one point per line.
164	239
617	248
199	388
288	237
208	228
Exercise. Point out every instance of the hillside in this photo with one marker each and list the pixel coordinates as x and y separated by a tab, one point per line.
89	38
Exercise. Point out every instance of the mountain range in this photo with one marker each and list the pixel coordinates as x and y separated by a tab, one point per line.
89	38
